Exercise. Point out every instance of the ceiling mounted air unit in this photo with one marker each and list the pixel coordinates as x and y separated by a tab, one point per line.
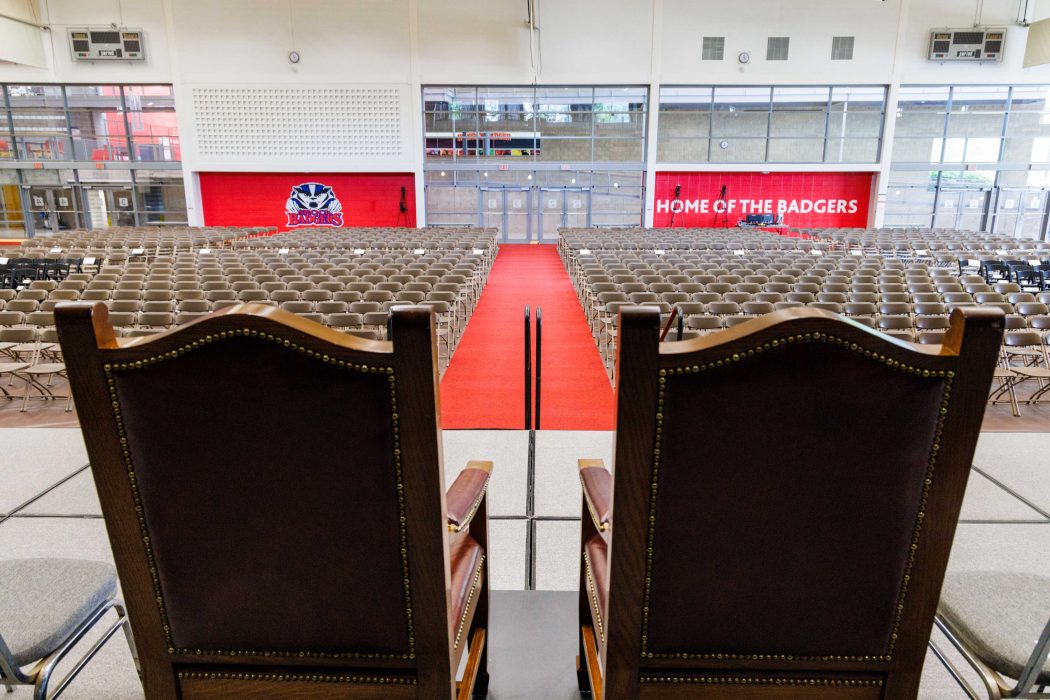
107	44
967	44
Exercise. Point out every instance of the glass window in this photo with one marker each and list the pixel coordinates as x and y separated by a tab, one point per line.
96	120
740	111
7	142
922	111
782	150
38	114
856	111
160	196
805	124
852	150
799	112
153	126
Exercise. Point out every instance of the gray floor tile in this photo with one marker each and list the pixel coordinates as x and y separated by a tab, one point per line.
533	646
31	459
506	554
557	487
509	452
986	500
74	538
1019	460
75	497
1001	548
557	547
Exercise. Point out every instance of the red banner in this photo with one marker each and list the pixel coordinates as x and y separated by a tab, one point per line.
802	199
311	200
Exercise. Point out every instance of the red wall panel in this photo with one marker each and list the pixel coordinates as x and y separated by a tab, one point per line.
804	199
258	199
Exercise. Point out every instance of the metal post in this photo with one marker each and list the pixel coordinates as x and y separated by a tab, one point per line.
539	361
528	371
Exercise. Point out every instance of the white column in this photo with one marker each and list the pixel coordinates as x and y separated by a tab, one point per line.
416	118
653	121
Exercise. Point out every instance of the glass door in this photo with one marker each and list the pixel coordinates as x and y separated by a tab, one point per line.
1021	213
110	206
518	208
510	210
53	209
562	207
12	220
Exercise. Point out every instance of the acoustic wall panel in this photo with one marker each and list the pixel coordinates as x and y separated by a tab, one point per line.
297	124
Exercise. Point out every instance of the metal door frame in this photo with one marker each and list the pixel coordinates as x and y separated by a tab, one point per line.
111	208
1021	212
564	191
504	219
50	202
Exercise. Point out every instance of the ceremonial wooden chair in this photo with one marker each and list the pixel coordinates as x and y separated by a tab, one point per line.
274	496
781	507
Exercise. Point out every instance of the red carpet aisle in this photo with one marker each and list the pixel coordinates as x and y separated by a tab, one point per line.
484	386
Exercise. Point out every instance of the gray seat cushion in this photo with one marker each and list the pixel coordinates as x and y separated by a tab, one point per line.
998	615
43	600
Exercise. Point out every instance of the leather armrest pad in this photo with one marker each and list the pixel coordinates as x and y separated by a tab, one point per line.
465	494
597	491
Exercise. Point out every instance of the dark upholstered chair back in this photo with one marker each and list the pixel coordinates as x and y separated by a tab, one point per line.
243	448
258	473
786	494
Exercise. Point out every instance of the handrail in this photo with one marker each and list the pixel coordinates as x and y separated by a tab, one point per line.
528	371
539	361
667	326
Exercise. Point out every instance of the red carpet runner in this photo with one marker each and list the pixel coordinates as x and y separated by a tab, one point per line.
485	384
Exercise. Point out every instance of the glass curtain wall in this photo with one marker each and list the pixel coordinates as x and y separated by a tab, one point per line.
971	157
106	133
531	159
767	124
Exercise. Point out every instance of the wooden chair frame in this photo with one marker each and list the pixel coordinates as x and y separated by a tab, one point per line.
91	347
613	663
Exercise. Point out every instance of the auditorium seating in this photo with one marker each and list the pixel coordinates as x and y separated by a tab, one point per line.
796	556
717	279
274	495
346	280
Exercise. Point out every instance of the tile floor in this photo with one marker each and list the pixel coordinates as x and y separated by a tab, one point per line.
48	507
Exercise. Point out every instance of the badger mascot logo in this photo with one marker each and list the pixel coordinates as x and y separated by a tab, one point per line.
313	204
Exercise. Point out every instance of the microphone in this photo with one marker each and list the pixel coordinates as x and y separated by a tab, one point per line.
402	206
677	191
723	192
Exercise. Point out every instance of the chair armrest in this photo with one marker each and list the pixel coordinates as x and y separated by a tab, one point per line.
597	491
464	496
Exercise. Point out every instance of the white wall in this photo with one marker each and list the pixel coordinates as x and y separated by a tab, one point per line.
809	23
147	15
403	44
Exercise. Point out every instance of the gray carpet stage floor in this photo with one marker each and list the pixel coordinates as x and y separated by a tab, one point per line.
48	507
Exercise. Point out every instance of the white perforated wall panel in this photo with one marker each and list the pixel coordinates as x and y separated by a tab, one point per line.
299	124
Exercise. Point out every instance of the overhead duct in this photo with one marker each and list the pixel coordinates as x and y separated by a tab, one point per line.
1037	51
21	35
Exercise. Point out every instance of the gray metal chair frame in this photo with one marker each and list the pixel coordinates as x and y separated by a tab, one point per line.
993	682
39	676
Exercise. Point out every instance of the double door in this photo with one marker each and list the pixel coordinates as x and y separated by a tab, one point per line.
53	209
110	206
533	214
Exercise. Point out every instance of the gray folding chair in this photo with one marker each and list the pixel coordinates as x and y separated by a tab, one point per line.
992	618
46	607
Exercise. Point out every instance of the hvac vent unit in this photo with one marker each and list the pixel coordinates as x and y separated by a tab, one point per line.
714	48
777	48
967	44
107	44
841	48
